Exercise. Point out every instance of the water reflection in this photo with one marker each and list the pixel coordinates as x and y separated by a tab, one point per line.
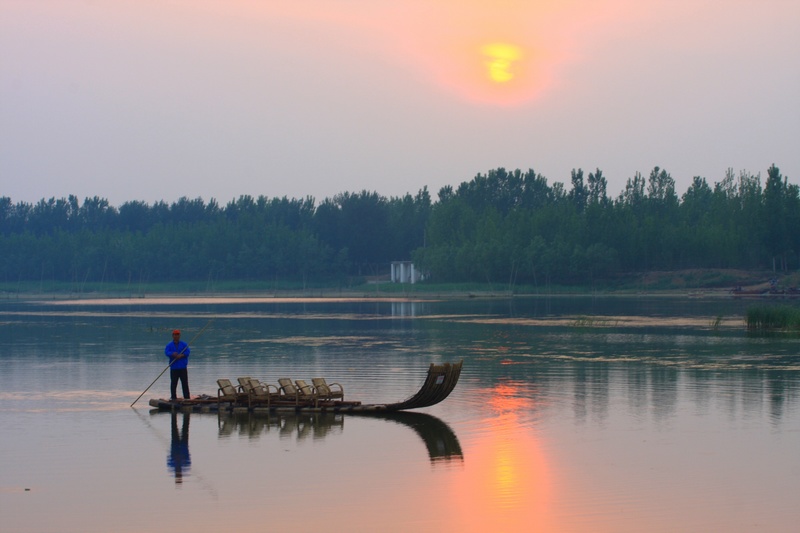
179	461
295	426
408	308
509	487
439	438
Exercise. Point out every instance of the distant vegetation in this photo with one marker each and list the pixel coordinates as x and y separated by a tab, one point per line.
504	228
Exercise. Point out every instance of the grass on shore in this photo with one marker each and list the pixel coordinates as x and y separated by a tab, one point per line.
655	282
773	318
359	287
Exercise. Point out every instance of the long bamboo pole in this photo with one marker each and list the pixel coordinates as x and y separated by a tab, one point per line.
173	360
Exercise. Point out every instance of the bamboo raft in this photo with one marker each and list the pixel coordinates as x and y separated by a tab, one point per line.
439	383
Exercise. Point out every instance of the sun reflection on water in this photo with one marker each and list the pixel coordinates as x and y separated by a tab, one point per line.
508	486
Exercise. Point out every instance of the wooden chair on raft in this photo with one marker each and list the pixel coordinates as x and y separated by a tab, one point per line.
244	383
306	392
288	390
228	393
259	393
244	386
326	391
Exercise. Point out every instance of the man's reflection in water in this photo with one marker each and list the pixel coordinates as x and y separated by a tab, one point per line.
179	461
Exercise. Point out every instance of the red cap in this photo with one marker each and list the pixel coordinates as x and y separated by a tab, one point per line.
176	332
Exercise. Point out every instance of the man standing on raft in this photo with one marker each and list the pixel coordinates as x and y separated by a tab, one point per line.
177	352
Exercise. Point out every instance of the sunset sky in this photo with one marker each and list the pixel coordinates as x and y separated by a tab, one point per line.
155	100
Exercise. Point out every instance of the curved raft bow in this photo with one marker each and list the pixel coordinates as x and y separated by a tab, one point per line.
439	383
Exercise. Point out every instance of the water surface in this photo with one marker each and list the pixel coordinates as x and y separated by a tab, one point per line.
572	415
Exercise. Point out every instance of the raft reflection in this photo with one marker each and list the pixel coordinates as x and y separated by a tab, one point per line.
439	438
299	426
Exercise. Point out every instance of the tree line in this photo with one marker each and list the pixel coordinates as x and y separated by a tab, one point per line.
193	240
500	227
513	227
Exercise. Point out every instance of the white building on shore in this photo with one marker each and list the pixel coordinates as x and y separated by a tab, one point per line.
404	272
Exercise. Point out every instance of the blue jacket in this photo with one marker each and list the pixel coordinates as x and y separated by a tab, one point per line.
171	351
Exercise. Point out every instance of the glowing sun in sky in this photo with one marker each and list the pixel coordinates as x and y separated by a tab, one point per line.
500	59
494	71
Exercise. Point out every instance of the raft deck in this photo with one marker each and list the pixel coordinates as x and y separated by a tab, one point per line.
439	383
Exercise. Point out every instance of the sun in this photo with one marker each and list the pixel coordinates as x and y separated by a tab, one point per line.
500	59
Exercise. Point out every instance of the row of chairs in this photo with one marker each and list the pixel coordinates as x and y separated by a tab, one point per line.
255	393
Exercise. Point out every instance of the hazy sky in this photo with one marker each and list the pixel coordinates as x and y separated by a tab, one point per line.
154	100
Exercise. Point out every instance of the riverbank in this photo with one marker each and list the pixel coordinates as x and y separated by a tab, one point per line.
695	283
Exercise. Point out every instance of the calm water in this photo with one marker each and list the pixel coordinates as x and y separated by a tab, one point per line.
572	415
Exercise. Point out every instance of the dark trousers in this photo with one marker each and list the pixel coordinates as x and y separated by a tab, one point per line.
176	374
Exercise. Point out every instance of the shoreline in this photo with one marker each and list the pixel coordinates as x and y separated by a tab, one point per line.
694	284
251	297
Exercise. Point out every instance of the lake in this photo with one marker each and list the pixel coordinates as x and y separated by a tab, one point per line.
573	414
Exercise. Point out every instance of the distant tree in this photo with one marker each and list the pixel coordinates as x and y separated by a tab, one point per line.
579	194
633	196
597	187
661	188
776	201
134	216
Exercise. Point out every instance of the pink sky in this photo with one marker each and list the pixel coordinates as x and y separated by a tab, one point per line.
146	100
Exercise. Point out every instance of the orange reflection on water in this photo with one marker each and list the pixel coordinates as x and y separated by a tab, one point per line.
507	483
